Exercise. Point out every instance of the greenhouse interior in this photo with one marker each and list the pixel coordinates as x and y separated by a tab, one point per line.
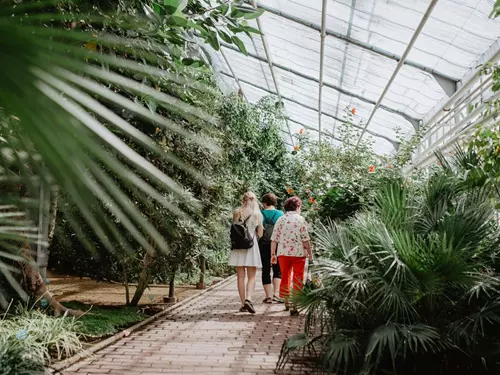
250	187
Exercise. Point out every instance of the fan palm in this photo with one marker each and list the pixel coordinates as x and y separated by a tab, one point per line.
63	111
407	286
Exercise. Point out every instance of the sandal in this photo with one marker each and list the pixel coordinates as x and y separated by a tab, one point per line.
243	309
249	306
267	300
278	299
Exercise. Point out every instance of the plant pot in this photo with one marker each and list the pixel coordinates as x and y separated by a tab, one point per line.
170	299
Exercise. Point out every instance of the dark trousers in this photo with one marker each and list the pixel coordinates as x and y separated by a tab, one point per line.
265	256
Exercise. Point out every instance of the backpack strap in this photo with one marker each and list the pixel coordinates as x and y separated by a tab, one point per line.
245	221
266	219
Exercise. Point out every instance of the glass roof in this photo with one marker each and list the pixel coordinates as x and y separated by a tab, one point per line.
364	40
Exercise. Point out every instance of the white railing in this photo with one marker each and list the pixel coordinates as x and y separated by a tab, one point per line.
456	119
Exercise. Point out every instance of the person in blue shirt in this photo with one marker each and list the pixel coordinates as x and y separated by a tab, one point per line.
270	217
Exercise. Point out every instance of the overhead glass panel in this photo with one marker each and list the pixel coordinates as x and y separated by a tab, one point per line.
363	44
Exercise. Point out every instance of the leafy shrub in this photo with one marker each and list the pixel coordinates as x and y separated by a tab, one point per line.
408	287
14	359
42	336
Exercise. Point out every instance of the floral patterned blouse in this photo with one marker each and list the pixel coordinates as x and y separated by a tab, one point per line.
290	231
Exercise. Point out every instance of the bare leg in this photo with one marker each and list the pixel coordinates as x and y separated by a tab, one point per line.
267	289
251	273
276	284
241	283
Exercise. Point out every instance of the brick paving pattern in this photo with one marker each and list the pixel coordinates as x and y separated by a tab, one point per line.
205	336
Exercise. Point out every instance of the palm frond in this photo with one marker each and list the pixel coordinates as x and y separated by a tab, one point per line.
57	119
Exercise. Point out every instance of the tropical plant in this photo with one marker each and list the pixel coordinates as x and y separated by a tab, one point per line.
14	359
34	337
254	144
337	180
133	70
408	286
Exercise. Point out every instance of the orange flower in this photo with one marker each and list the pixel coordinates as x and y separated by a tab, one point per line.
371	169
289	190
301	131
390	167
312	200
296	148
353	111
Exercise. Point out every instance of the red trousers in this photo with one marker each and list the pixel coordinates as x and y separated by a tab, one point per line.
289	265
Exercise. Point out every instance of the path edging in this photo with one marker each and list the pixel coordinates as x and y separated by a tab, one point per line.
62	365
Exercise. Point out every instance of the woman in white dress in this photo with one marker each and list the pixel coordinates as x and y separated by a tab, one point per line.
247	261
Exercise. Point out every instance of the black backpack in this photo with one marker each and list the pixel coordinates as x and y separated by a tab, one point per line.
240	236
268	230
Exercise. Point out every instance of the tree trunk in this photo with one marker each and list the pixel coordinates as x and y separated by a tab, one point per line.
47	224
171	287
53	215
143	279
125	283
35	285
32	280
203	266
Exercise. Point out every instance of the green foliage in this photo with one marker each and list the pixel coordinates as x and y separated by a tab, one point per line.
254	145
14	359
408	287
40	337
90	98
105	321
336	181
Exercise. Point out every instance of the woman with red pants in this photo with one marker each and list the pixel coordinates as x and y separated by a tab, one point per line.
291	243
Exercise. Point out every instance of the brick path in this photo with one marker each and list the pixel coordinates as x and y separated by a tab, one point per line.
205	336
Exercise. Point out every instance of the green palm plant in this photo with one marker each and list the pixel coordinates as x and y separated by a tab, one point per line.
64	113
408	287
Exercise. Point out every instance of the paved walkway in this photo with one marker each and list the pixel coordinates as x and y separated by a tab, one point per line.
205	336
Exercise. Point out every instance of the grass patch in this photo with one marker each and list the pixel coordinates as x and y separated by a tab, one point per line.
102	321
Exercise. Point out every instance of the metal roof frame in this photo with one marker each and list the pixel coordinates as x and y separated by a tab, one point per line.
358	43
413	39
233	73
344	60
414	121
392	141
270	63
321	63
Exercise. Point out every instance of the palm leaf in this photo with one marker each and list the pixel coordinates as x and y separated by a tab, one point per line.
60	124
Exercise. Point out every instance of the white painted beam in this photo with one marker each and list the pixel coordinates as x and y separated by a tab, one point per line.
401	62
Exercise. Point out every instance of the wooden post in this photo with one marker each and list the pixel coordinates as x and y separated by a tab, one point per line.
201	284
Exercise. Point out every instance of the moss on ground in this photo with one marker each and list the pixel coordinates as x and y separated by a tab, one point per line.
102	321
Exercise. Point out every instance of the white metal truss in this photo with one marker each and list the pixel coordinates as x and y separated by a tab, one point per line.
270	62
321	63
233	73
344	60
414	121
394	143
401	62
357	43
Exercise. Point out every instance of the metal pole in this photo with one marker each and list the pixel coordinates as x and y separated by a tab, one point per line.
401	62
270	62
233	73
321	63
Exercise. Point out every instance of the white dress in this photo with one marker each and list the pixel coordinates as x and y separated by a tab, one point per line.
247	257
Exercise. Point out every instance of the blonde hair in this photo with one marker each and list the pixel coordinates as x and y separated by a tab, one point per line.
249	207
